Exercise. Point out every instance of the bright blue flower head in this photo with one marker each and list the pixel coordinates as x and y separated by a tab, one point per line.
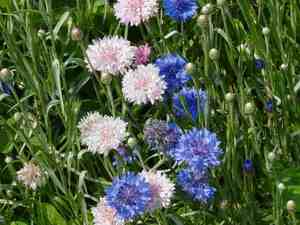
5	88
189	102
199	149
180	10
172	68
196	185
129	195
248	165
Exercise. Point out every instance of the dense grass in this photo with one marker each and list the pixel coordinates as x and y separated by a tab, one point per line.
52	90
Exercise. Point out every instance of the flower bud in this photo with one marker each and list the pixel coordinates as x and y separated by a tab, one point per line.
281	187
41	33
203	20
4	73
249	108
189	68
132	142
266	31
106	78
229	97
8	160
76	34
207	9
291	206
271	156
284	67
221	2
214	54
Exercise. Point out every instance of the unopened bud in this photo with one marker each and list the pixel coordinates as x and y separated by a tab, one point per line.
207	9
132	142
266	31
106	78
214	54
203	20
221	2
271	156
189	68
284	67
41	33
8	159
4	73
76	34
249	108
291	206
229	97
281	187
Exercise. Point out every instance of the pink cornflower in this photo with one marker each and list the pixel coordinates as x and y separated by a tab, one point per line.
143	85
142	54
30	175
134	12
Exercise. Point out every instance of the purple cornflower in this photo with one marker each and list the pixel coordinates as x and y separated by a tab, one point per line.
189	102
199	149
142	54
172	69
196	185
5	88
160	135
129	195
126	156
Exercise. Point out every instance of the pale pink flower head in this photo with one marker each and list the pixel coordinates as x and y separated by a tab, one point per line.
101	133
162	189
110	55
30	175
143	85
105	215
142	54
134	12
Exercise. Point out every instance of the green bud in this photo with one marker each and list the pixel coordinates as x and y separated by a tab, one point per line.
214	54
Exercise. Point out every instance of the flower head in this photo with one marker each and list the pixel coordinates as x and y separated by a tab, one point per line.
248	166
196	185
129	195
160	135
180	10
172	69
134	12
143	85
105	215
6	88
259	64
189	102
30	175
162	189
142	54
110	55
199	148
102	133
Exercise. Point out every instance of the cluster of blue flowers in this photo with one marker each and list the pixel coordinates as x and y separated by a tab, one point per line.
180	10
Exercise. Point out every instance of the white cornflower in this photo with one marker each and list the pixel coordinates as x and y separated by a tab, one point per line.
162	189
30	175
110	55
102	133
143	85
105	215
134	12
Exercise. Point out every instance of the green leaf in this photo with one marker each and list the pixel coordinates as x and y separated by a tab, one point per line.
18	223
53	216
61	21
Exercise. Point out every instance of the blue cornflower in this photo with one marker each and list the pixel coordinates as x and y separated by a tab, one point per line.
125	155
5	88
161	135
269	106
189	101
198	148
129	195
180	10
196	185
259	64
248	166
172	69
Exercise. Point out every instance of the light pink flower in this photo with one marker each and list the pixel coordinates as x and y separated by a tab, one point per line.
162	189
110	55
30	175
105	215
134	12
102	133
142	54
143	85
